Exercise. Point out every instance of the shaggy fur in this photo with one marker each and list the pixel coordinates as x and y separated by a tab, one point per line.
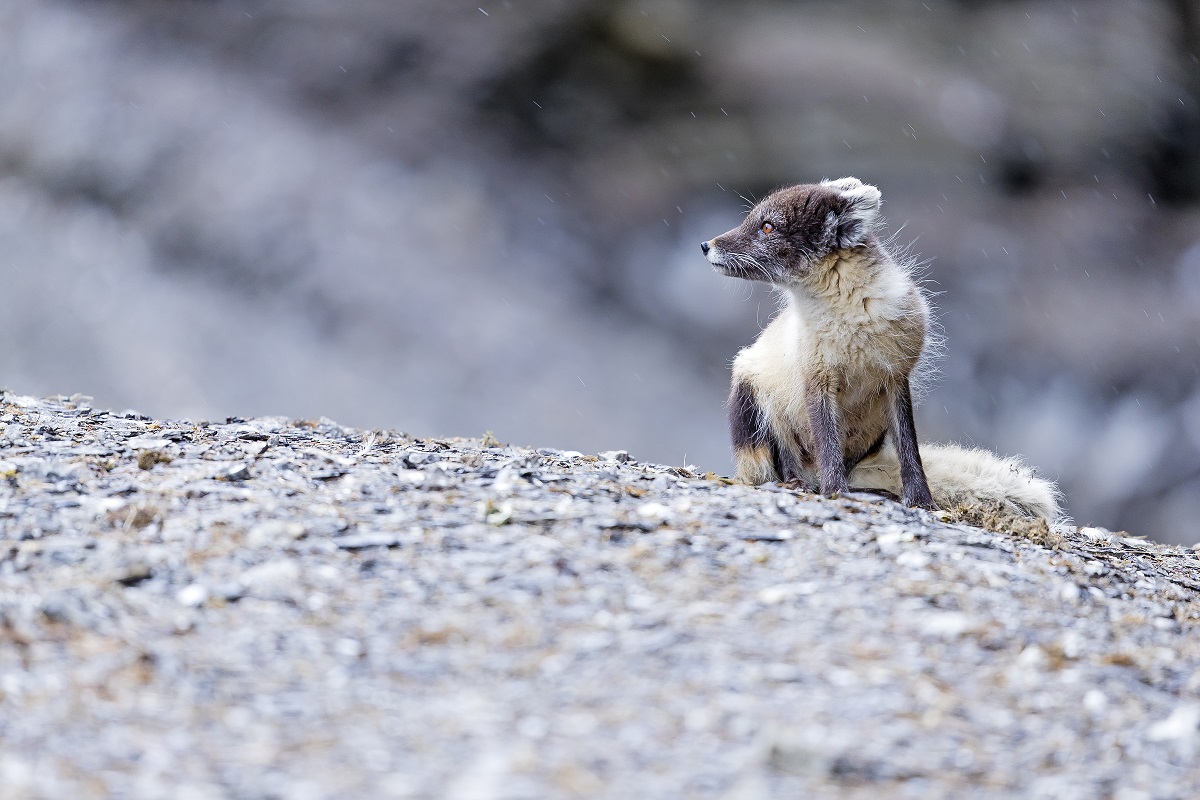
824	395
962	476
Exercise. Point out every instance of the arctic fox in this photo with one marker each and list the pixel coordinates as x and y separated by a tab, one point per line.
823	396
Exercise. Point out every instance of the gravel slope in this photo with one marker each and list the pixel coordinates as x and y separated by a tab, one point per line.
276	609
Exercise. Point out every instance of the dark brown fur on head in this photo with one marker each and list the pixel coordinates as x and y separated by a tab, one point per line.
794	229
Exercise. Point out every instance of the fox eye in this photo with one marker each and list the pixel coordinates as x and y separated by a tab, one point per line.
767	227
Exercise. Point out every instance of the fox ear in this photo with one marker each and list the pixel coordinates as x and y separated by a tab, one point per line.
860	211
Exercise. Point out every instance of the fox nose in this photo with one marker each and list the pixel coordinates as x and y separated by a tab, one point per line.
704	247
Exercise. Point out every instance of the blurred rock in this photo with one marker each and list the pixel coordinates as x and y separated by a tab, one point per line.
445	219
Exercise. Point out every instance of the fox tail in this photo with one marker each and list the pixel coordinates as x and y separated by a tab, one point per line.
965	475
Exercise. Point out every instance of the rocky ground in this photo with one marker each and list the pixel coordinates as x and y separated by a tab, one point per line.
270	608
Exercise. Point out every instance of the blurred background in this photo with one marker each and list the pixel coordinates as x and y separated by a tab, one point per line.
451	217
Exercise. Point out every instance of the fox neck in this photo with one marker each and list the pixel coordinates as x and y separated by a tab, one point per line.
839	283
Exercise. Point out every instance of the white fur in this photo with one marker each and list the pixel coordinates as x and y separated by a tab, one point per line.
866	198
855	320
958	474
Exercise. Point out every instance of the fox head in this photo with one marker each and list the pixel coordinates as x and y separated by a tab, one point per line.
794	229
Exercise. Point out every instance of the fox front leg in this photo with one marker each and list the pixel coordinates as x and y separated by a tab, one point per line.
826	432
904	434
